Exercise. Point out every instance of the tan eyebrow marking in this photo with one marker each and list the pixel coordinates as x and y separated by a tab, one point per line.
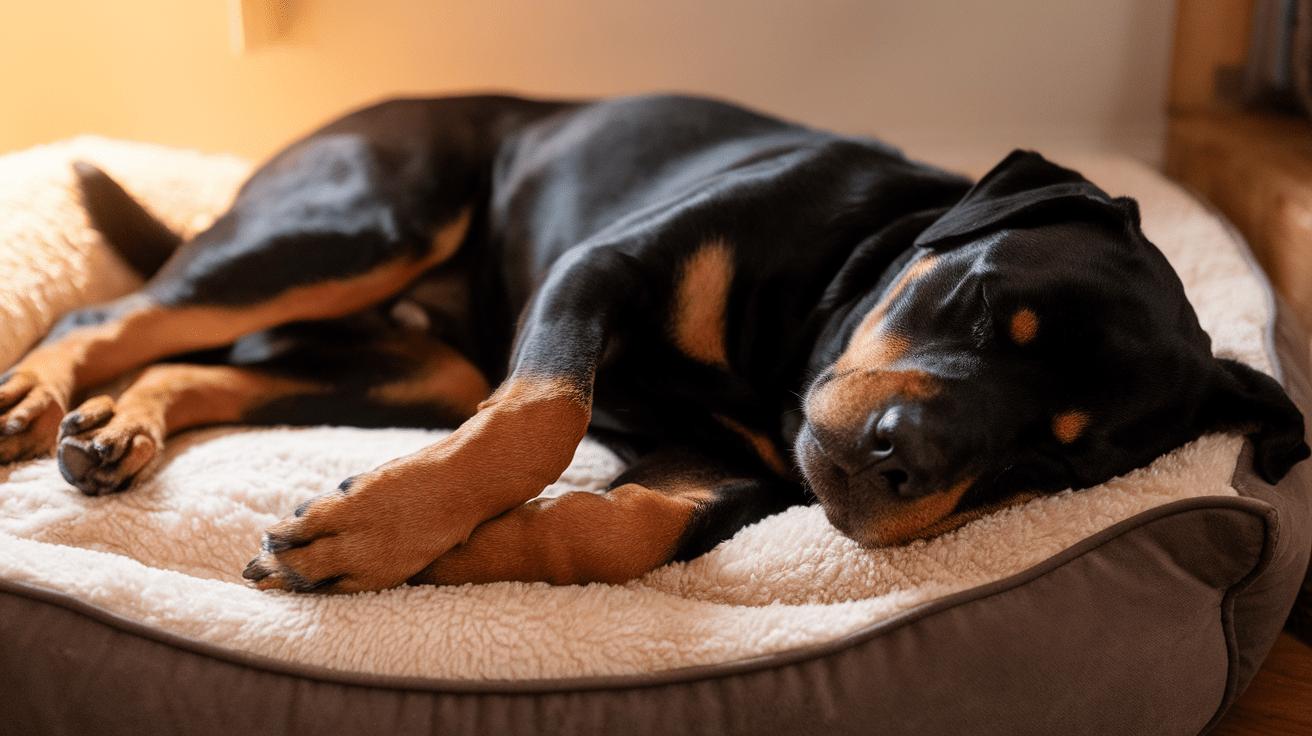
1024	326
872	346
1068	425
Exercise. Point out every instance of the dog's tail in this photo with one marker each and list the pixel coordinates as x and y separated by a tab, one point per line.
139	239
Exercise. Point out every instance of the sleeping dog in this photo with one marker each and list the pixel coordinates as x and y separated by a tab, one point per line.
754	314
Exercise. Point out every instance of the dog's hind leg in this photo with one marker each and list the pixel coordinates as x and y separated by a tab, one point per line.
96	345
176	313
106	441
673	504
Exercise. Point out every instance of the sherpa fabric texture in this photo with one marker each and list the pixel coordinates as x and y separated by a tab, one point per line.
169	552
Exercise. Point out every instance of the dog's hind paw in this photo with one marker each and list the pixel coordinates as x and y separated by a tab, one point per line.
101	452
29	417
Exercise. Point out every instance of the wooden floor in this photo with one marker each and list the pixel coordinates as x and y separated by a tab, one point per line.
1279	700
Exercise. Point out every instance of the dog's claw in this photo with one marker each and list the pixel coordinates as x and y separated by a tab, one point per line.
69	424
255	571
266	573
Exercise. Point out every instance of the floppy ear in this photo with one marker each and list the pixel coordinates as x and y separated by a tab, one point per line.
1025	184
1246	399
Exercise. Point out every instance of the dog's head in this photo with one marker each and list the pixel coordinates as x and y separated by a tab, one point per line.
1033	340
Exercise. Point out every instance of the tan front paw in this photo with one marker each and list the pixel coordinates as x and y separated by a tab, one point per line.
372	533
29	417
101	452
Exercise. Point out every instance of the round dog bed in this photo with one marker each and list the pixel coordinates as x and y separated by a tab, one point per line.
1143	605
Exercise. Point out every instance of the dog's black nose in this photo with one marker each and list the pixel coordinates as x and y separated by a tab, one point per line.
893	446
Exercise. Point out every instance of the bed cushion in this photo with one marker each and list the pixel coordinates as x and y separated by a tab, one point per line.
1143	605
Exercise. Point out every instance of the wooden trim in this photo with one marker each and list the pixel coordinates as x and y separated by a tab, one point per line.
1257	170
1211	41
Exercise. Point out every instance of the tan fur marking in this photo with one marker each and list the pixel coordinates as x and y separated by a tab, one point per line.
1024	326
906	521
96	354
193	396
956	521
872	345
447	239
216	326
527	431
1068	426
847	400
573	539
92	355
764	448
400	517
701	295
876	350
447	378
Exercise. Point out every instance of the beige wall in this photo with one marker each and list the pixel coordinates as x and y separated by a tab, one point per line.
1042	73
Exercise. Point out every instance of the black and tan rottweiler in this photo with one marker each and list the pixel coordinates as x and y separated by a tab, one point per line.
754	313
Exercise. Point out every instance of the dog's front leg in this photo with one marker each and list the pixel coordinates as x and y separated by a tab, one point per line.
672	504
382	527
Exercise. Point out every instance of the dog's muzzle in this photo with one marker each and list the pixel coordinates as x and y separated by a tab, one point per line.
887	476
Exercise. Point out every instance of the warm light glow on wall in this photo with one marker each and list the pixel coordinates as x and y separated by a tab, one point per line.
1027	72
257	23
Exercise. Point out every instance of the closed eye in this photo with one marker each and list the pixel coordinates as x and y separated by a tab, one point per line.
982	330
